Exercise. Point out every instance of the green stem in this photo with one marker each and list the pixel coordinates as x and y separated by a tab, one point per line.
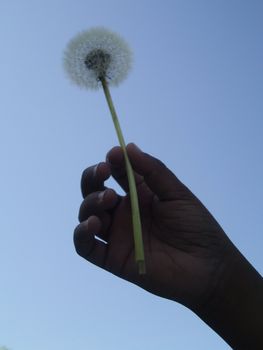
137	228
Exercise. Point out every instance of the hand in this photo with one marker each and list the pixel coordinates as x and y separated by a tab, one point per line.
188	257
186	251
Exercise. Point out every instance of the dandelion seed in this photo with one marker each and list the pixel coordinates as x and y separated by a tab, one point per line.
99	58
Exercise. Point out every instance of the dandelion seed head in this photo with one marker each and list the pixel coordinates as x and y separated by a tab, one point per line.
94	54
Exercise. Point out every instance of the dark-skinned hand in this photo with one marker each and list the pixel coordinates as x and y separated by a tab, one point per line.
189	258
186	251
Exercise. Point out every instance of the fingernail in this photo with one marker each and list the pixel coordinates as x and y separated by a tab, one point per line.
86	224
101	196
136	147
95	170
114	159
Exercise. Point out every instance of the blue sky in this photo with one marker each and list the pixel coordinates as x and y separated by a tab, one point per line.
193	99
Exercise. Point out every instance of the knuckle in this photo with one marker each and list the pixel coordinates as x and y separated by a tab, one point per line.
90	205
84	211
85	174
85	180
80	216
159	163
78	240
89	174
76	237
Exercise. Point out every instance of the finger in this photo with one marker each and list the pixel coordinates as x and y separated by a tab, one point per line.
93	178
87	245
98	202
106	221
156	175
115	159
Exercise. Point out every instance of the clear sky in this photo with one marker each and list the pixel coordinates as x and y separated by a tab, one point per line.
193	99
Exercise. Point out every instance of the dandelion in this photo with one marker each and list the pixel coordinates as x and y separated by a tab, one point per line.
95	54
100	58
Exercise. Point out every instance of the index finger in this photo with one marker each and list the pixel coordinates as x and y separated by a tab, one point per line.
93	178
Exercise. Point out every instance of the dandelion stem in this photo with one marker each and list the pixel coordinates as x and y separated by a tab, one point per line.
137	229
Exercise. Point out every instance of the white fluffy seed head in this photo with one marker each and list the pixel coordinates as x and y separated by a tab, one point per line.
94	54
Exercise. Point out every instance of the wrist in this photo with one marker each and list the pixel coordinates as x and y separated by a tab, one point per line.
235	307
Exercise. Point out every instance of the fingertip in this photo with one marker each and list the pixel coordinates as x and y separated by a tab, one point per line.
101	171
86	244
93	177
135	154
85	231
132	147
109	198
91	225
115	156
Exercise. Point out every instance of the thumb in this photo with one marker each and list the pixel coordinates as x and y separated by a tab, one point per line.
157	176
